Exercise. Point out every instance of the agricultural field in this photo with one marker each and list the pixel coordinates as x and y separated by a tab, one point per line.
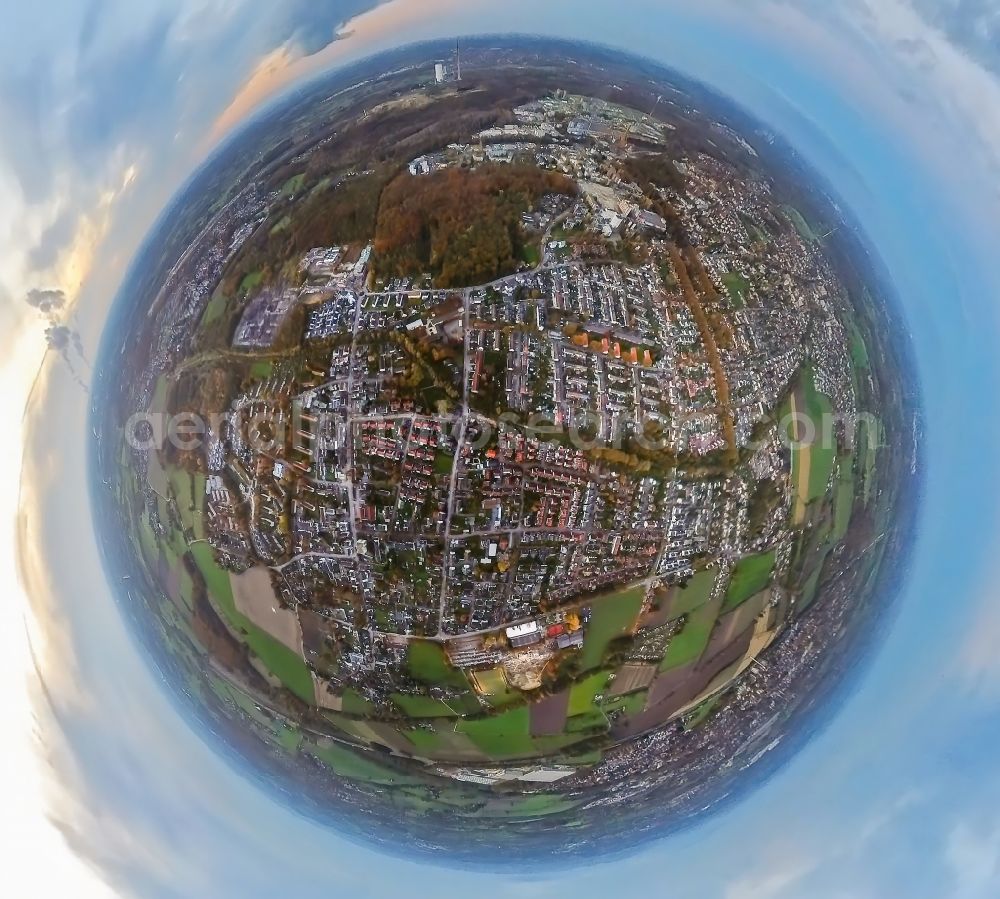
288	667
697	592
689	644
844	497
612	616
581	697
800	224
504	735
751	575
427	663
809	414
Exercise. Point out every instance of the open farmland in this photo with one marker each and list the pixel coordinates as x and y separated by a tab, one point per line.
612	616
751	575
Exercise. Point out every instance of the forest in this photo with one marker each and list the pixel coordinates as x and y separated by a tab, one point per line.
327	216
655	169
462	226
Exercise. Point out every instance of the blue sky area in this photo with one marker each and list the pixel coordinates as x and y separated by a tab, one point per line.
896	102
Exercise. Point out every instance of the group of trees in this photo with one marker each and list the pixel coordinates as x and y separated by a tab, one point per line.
708	339
655	169
767	496
334	215
619	459
463	226
423	370
651	173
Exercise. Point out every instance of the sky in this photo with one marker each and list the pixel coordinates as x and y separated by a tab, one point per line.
106	108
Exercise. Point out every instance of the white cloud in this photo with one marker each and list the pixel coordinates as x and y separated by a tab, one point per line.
825	856
973	853
775	878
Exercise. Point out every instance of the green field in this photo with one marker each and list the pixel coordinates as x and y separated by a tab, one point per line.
697	592
214	310
859	352
494	689
226	691
443	464
753	229
506	735
812	463
262	369
581	696
592	720
159	401
537	805
428	664
293	185
284	664
811	586
631	704
737	287
823	455
869	439
800	224
148	542
358	766
751	575
690	643
289	738
189	493
612	615
423	706
250	281
355	704
320	185
425	740
844	497
702	713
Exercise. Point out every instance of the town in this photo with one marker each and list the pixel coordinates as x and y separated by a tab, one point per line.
529	518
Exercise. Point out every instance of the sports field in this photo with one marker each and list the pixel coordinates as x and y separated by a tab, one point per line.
492	686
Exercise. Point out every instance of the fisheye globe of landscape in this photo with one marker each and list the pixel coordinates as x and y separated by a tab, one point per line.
505	445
